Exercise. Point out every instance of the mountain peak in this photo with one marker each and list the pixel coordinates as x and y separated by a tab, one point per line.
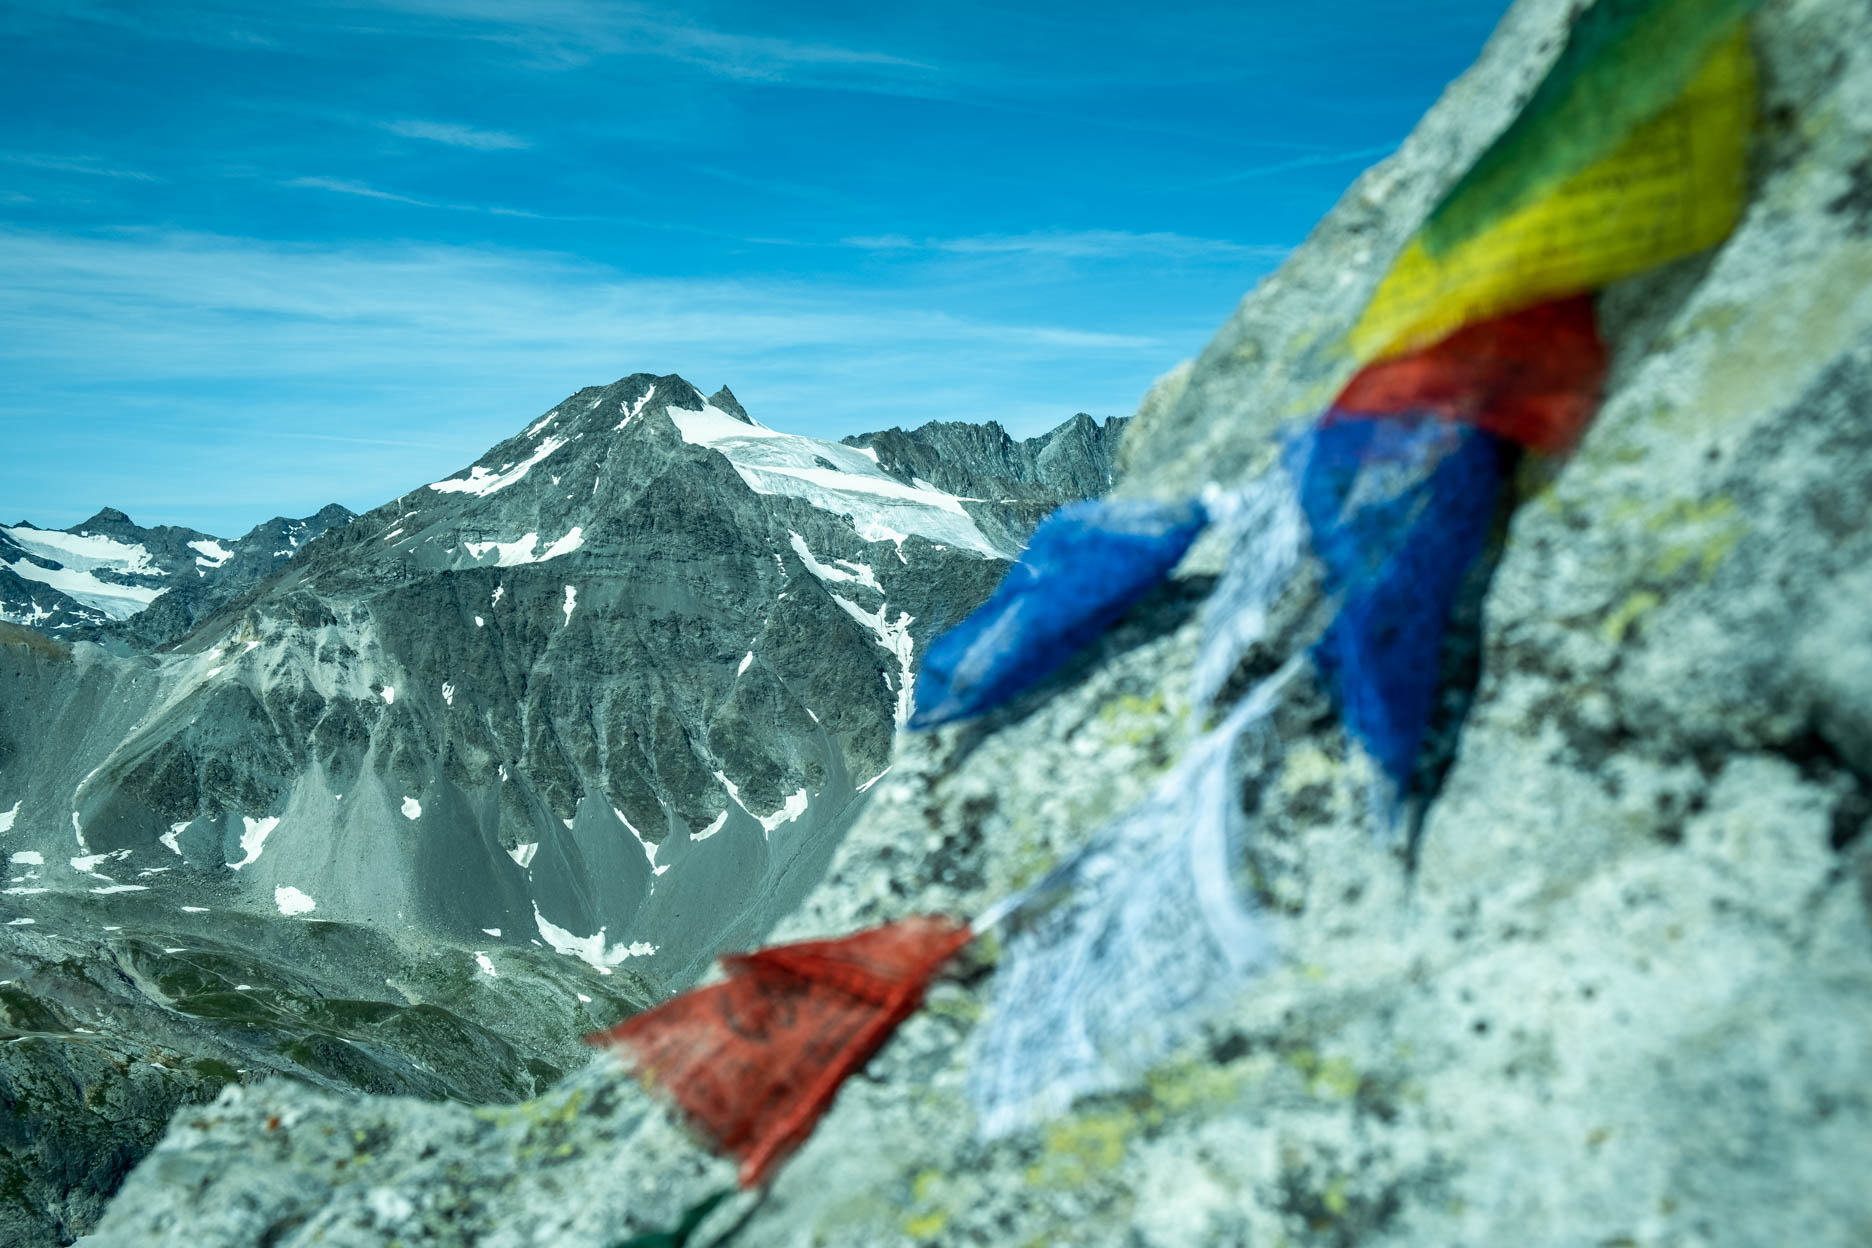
107	516
725	400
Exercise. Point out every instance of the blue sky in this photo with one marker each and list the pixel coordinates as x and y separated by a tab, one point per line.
260	257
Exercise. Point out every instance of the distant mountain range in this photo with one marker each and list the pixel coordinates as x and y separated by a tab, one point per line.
109	569
582	713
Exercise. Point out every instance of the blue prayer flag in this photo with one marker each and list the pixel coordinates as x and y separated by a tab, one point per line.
1399	511
1087	564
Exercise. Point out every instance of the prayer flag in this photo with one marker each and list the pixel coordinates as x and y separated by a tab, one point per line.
1129	945
1533	376
1086	565
1399	509
1624	62
755	1061
1674	186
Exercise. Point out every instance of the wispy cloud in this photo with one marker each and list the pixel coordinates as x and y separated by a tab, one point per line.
344	186
76	164
455	135
570	33
1287	166
394	364
153	306
1071	245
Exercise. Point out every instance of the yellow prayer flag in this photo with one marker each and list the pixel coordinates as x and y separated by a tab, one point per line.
1674	187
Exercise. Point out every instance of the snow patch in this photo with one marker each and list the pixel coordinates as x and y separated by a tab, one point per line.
121	888
571	601
882	508
791	809
412	809
86	552
589	949
491	931
894	637
747	661
874	779
479	622
388	695
87	864
523	549
78	831
253	838
119	602
481	482
28	858
712	828
523	854
633	410
858	575
8	816
498	591
291	901
448	693
649	847
486	964
210	553
518	551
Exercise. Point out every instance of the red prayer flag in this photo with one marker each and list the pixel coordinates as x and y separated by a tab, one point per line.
1533	376
755	1061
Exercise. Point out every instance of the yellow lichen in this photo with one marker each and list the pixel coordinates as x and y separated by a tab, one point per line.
1618	624
926	1225
1080	1148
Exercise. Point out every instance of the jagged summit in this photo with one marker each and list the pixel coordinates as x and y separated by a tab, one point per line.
725	400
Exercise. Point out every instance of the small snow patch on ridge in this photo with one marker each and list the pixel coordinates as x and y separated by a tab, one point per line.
412	809
747	660
448	693
481	482
210	553
291	901
388	695
571	601
633	410
485	963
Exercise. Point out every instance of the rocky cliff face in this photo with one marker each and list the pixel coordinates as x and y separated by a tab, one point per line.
495	763
1620	994
1008	486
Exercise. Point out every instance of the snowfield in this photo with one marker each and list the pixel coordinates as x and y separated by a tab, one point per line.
882	508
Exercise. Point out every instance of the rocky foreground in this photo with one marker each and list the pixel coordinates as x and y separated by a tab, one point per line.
1619	989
